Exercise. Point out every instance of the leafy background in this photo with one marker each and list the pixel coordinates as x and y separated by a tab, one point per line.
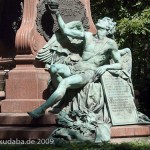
133	28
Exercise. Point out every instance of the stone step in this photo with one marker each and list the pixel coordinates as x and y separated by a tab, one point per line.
130	139
11	132
40	132
22	126
23	119
20	105
130	131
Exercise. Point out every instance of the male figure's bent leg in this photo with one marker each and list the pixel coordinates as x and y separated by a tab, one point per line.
58	73
72	82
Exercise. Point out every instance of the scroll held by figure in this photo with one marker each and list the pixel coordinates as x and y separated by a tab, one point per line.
78	60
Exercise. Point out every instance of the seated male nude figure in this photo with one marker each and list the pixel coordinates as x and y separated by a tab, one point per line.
95	61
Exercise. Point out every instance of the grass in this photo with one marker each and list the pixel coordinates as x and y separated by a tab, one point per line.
136	145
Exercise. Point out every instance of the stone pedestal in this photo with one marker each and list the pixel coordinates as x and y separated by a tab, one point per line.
5	65
26	83
2	84
26	89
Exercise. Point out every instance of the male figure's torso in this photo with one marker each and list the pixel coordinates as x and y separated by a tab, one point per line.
96	53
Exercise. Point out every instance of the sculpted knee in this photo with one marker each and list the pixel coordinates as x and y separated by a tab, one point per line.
53	68
60	94
64	83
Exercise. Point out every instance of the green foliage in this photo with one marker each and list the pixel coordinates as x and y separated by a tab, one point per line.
133	31
82	146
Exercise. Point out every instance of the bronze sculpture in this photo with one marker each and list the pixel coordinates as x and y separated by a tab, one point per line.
86	118
89	66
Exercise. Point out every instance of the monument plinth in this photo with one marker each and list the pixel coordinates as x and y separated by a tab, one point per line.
92	95
27	81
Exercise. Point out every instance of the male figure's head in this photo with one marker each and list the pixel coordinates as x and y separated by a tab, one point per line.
105	27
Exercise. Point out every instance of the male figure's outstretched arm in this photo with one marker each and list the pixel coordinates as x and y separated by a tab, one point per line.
70	32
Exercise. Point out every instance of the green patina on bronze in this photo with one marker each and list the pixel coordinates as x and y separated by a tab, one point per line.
78	61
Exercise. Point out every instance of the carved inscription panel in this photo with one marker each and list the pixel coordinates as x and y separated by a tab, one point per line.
70	10
119	100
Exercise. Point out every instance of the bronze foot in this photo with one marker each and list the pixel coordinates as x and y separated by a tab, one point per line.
37	113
